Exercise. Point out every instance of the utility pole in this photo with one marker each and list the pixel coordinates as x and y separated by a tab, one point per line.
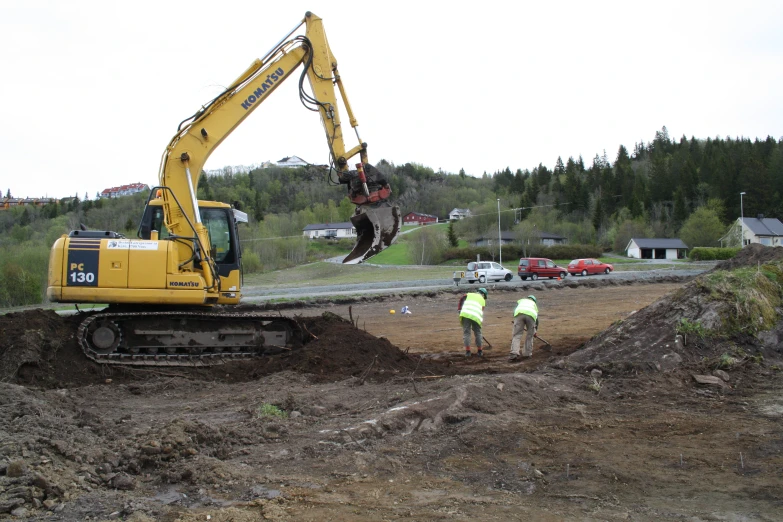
742	222
500	239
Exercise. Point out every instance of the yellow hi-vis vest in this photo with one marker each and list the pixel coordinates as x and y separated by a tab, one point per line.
528	307
472	308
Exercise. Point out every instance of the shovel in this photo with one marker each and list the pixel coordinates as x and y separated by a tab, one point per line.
489	345
549	346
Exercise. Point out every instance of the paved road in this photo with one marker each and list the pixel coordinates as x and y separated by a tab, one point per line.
258	294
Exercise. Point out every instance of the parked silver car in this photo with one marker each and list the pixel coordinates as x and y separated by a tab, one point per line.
483	271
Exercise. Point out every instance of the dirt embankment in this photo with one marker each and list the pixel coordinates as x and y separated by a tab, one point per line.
390	422
689	324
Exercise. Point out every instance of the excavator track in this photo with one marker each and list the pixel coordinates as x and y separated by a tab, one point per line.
185	338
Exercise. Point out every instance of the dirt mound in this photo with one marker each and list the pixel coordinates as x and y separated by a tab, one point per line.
751	255
700	320
39	348
32	337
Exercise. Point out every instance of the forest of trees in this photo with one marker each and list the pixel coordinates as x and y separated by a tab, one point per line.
686	188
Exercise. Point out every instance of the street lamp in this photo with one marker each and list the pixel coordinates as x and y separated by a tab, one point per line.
742	222
500	239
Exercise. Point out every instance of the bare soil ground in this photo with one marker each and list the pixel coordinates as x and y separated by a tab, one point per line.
389	421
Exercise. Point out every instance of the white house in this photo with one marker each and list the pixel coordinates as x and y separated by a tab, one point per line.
643	248
329	230
292	161
459	213
760	229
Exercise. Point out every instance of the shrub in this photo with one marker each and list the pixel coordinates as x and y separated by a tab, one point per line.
23	275
712	253
270	410
688	327
251	263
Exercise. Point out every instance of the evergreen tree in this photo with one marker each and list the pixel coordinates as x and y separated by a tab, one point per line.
204	190
660	182
452	236
680	209
258	207
598	215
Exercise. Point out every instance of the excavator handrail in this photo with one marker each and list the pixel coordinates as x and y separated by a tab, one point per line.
206	256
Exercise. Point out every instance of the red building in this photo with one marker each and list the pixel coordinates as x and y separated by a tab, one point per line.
124	190
417	218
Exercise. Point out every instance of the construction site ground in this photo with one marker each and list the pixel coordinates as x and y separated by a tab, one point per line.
381	417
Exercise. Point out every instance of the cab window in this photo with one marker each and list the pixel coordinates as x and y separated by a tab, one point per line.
550	264
217	221
157	223
217	224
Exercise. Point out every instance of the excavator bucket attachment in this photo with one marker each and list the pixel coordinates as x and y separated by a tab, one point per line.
376	229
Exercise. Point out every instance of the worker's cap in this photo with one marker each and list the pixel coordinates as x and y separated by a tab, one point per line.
533	298
483	291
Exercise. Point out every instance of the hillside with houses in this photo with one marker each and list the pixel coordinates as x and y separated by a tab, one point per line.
658	198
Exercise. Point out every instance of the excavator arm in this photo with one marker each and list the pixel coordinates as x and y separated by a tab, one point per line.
376	221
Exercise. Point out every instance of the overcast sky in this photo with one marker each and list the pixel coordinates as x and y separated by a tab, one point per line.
92	91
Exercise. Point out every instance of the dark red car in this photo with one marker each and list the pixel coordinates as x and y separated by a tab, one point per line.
535	267
588	266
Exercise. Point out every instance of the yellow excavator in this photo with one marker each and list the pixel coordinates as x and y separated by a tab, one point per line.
162	286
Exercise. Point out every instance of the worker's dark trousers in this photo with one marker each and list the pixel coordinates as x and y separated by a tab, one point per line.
467	325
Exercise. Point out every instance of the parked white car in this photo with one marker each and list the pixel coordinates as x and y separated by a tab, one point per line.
483	271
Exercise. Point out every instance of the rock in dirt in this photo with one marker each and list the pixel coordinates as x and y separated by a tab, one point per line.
16	468
123	481
6	506
710	380
723	375
19	512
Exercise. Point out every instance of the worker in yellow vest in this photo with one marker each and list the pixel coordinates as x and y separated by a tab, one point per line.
525	317
471	315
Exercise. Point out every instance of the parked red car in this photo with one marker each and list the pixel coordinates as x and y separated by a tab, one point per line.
535	267
588	266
